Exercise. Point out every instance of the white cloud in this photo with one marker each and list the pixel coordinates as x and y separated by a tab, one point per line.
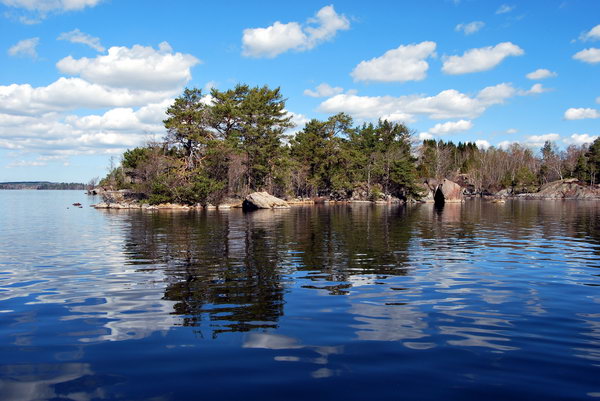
541	73
138	67
278	38
580	139
299	121
399	117
592	34
451	126
326	24
536	89
323	90
273	40
505	144
57	134
76	36
405	63
496	94
25	163
72	93
512	131
424	136
36	10
504	8
50	5
470	28
25	48
482	59
47	119
482	144
446	104
591	55
581	113
537	141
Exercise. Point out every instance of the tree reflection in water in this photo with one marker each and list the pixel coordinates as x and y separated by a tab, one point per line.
231	269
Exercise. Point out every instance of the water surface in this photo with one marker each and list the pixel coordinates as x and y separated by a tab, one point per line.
474	301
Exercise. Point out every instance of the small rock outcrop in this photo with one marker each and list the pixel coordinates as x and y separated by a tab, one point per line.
263	200
448	192
569	188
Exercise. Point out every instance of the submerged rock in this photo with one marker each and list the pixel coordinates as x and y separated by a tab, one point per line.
263	200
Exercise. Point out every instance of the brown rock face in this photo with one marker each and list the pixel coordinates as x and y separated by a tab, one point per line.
263	200
449	192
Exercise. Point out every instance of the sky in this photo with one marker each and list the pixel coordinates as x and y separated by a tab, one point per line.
83	80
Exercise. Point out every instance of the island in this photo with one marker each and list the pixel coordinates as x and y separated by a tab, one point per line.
223	146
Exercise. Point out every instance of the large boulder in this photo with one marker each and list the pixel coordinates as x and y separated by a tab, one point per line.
263	200
449	192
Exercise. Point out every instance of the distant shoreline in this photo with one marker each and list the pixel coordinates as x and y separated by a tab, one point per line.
42	185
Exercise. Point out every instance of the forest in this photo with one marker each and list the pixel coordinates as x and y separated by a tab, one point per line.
229	143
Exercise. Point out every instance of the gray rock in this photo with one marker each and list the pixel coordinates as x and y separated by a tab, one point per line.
263	200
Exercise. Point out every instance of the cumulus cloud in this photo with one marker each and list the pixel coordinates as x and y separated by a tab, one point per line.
47	119
512	131
481	59
450	127
504	8
323	90
591	55
580	139
25	48
76	36
581	113
445	105
592	34
541	73
470	28
72	93
446	128
138	67
405	63
58	134
280	37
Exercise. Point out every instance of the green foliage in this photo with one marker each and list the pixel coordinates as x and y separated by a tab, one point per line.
234	143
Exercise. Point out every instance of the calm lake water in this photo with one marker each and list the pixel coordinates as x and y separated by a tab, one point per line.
476	301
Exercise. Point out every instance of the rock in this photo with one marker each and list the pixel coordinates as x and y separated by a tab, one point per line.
426	193
76	204
570	188
301	201
263	200
448	192
229	203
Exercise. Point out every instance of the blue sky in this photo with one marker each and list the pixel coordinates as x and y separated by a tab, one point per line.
83	80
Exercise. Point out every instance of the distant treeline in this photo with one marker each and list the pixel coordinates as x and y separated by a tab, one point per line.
42	185
233	142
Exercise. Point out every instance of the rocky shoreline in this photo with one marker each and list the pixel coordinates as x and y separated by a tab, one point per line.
445	191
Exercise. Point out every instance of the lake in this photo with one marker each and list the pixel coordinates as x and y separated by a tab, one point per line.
351	302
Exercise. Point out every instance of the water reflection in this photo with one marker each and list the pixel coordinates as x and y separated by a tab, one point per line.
309	290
